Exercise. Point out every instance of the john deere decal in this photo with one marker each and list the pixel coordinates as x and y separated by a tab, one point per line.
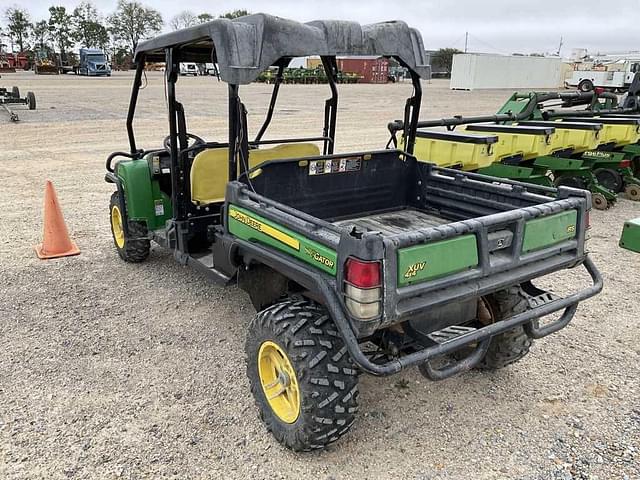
254	228
264	228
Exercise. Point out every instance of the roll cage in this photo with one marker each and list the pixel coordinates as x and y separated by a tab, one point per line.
229	43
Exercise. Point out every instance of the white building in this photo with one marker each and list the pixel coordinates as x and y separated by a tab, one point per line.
474	70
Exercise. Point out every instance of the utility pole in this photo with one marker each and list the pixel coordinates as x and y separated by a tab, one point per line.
466	41
560	46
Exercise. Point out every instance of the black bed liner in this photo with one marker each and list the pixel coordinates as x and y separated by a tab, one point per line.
394	222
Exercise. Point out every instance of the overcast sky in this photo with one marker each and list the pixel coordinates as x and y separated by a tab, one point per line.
494	26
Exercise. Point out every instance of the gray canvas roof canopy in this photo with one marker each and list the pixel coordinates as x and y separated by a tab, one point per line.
246	46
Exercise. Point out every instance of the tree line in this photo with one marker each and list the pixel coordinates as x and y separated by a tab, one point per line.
117	33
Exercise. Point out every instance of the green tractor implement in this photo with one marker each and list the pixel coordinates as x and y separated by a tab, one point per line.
521	142
12	97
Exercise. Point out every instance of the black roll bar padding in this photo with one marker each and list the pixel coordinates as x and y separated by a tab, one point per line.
330	105
183	154
412	113
137	82
182	128
272	103
173	67
244	146
233	131
460	366
132	156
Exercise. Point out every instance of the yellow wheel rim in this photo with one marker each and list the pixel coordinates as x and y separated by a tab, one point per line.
279	382
116	226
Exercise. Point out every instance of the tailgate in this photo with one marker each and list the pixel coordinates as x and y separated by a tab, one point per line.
433	266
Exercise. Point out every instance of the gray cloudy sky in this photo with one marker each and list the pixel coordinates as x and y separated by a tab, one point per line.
496	26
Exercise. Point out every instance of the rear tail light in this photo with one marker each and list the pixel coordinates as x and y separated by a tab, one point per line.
362	274
625	164
363	288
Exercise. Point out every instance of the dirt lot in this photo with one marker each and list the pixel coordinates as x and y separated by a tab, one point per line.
111	370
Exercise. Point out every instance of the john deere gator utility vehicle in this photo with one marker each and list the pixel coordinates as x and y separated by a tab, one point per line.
356	262
527	143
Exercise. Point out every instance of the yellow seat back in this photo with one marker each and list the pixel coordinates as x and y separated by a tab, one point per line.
210	168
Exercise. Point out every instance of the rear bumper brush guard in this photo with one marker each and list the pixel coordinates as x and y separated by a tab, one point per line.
542	305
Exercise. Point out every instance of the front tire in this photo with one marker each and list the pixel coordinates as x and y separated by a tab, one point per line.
302	378
585	86
132	247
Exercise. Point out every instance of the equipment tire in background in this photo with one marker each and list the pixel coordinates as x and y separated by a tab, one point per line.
599	201
31	100
610	179
15	92
570	181
133	247
632	192
302	378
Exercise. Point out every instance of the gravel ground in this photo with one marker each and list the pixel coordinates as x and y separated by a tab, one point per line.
111	370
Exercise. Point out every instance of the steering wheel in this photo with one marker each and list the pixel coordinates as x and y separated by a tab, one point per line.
190	136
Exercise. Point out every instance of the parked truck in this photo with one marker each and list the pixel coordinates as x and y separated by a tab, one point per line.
93	63
616	75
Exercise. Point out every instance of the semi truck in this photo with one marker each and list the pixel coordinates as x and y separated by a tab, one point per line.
93	62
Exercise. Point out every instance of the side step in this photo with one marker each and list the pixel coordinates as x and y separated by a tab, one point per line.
449	333
203	262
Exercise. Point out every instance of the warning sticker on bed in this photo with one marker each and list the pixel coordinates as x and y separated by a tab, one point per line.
159	207
335	165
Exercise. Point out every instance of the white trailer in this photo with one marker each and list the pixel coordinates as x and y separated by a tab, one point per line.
614	76
473	70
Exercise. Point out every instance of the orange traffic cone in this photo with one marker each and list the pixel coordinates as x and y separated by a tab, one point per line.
56	242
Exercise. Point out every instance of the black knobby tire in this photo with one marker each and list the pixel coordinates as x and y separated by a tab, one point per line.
610	179
514	344
15	92
136	247
326	377
31	100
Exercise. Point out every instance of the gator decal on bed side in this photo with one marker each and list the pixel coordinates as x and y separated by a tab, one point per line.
254	228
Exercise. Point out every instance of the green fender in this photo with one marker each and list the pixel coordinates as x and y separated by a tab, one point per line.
143	198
